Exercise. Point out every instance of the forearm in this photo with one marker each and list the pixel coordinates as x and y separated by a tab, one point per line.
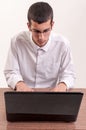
12	78
68	80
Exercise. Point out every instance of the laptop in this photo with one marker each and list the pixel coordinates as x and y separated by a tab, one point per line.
42	106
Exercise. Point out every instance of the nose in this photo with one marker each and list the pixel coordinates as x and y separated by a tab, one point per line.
41	36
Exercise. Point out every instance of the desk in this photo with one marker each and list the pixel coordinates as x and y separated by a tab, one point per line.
79	124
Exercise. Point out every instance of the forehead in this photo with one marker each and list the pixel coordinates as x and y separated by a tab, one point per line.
42	26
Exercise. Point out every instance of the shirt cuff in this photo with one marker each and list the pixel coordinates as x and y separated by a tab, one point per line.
69	82
13	82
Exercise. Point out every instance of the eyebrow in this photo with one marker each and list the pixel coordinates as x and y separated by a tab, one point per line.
38	31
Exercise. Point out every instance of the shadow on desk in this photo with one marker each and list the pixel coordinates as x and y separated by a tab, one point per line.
40	126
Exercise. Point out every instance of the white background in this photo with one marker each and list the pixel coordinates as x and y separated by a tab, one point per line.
70	20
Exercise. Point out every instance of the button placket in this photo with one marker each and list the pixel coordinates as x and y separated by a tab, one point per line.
38	65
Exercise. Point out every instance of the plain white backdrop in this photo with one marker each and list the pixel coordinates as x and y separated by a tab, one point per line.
69	18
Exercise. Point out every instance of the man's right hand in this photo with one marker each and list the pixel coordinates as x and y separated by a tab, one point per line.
21	86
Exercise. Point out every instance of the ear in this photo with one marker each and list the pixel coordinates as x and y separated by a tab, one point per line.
52	23
28	25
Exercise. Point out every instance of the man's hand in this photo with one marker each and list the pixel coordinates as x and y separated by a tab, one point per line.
61	87
21	86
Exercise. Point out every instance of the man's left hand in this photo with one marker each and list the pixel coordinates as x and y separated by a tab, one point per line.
61	87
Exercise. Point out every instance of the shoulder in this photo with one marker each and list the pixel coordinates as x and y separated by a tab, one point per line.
20	39
60	39
22	36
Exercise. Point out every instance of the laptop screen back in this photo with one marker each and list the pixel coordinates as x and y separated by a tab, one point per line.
61	106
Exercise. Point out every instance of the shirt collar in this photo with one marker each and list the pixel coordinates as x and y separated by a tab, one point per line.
44	48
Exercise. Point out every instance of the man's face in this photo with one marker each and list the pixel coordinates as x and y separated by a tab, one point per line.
40	32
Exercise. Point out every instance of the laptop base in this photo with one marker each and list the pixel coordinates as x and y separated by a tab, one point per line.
40	117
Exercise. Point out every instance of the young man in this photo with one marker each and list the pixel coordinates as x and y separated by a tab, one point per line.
39	59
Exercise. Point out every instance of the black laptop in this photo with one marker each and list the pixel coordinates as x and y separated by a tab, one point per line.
42	106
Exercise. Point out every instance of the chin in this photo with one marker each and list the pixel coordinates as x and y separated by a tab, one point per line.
42	44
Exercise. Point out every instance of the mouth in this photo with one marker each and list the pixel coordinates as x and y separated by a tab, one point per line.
41	42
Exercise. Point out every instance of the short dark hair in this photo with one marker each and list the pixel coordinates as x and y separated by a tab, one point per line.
40	12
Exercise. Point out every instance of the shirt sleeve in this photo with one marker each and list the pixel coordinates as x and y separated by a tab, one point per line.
11	70
67	70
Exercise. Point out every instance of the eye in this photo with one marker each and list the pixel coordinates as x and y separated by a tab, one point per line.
36	31
46	30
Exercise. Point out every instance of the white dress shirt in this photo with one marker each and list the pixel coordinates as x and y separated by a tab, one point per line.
39	67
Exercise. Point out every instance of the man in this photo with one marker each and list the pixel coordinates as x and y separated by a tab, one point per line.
39	59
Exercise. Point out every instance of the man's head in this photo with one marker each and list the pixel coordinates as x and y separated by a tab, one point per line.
40	12
40	22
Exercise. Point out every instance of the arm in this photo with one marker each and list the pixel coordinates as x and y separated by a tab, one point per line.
66	72
12	70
